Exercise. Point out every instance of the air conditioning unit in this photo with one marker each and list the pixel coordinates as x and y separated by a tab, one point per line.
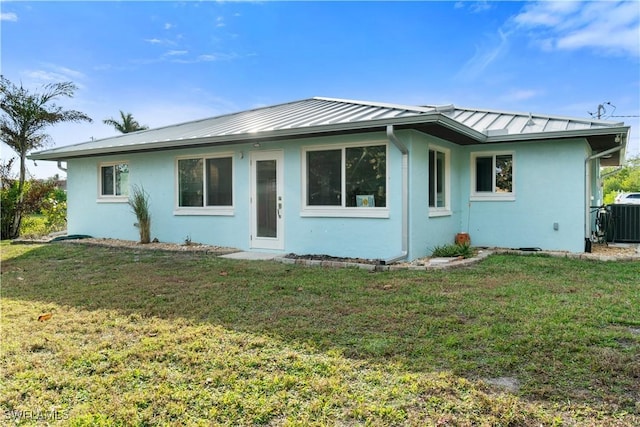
625	225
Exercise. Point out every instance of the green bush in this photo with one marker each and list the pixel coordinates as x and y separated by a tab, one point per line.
33	226
55	212
8	207
454	250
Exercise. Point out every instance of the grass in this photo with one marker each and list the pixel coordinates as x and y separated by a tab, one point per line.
142	337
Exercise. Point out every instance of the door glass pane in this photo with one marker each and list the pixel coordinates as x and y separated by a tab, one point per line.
267	211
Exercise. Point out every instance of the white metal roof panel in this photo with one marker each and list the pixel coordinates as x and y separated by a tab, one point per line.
323	115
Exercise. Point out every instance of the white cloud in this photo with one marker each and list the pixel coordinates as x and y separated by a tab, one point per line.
52	73
608	27
9	16
208	58
517	95
486	55
220	21
477	6
168	26
176	52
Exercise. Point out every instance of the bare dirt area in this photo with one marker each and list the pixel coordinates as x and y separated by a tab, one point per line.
172	247
614	249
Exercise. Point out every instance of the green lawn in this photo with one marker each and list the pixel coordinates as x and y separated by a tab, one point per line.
143	337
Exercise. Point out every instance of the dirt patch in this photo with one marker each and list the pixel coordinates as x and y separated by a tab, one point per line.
333	258
173	247
613	249
509	384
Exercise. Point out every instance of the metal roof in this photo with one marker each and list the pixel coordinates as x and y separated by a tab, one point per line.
316	116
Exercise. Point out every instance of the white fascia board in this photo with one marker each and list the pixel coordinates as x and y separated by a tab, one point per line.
578	133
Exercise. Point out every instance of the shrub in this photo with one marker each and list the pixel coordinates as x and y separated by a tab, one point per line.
454	250
33	226
139	202
55	213
8	207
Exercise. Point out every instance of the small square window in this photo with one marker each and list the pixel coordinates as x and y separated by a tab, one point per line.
114	180
205	182
492	176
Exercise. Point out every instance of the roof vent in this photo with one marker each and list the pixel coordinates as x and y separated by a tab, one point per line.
449	108
496	132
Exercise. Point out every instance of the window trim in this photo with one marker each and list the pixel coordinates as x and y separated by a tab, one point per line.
492	195
112	198
204	210
446	209
342	211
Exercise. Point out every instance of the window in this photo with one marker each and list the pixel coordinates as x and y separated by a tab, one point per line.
346	177
492	176
438	181
114	180
205	182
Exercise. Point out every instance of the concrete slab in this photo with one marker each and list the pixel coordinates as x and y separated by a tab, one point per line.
441	260
252	256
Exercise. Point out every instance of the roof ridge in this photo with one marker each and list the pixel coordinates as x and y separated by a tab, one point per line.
416	108
538	115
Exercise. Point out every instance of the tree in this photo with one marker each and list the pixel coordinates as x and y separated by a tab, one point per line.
128	124
25	115
625	179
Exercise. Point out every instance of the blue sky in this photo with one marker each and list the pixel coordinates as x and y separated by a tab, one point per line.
167	62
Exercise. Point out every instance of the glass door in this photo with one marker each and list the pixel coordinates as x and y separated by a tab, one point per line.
266	200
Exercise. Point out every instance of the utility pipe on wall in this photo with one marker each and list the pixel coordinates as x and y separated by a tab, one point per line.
405	194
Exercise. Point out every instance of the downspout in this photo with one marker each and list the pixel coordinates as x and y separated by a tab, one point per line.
60	166
587	224
405	195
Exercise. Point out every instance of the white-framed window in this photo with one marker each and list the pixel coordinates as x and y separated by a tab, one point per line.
113	181
204	185
345	180
439	178
492	176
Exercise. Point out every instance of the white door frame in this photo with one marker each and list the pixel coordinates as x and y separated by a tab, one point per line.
275	206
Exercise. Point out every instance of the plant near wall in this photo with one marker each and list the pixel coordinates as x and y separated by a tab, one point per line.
139	202
454	250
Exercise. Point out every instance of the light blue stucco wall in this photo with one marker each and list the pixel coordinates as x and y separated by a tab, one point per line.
550	188
549	180
427	232
343	236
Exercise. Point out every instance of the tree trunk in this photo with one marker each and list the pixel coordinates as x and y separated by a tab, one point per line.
17	215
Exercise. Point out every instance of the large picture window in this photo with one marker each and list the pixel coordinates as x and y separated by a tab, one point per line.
346	177
438	181
205	182
492	175
114	180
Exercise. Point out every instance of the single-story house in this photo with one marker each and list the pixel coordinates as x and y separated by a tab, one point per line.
349	178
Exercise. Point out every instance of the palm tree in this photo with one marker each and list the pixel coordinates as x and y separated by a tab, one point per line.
25	115
128	124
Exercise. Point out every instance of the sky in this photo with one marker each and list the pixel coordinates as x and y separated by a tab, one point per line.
168	62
